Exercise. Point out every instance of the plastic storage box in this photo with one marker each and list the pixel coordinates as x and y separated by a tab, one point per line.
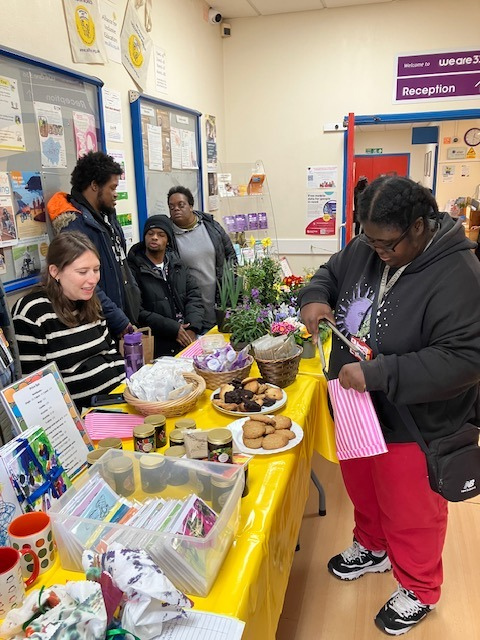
191	563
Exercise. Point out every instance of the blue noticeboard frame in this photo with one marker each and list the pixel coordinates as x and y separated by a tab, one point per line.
152	186
42	81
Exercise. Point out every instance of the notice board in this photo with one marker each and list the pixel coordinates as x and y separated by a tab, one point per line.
167	152
49	117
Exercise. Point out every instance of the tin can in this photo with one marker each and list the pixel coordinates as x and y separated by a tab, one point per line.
221	488
176	438
159	422
144	438
110	443
220	445
153	473
121	469
178	474
185	423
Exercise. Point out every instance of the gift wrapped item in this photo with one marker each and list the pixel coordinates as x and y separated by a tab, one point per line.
275	347
223	359
62	611
151	598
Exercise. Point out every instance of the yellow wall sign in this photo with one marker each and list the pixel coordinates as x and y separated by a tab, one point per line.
85	25
471	155
135	50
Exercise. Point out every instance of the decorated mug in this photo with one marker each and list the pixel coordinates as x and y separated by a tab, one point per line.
12	584
33	531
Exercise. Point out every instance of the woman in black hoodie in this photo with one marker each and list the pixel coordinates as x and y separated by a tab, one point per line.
171	301
408	287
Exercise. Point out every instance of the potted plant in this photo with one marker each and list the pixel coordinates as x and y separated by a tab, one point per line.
247	323
229	290
262	277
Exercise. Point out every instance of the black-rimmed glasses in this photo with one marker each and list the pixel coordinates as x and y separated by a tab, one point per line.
389	247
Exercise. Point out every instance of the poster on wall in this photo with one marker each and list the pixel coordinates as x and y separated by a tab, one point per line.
163	121
321	213
29	204
112	111
211	137
119	156
321	200
212	192
136	46
85	133
111	30
12	136
85	31
51	134
8	228
176	142
189	150
155	147
160	70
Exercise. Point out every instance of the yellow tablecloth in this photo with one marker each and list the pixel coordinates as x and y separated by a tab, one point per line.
252	581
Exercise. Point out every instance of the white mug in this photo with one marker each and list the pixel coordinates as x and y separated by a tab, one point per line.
29	531
12	584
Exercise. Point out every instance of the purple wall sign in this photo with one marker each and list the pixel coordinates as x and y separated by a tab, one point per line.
438	76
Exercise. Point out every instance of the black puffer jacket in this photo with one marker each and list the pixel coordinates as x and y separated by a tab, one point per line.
163	301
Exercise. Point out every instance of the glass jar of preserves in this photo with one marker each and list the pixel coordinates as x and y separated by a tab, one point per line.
144	438
220	445
159	422
176	438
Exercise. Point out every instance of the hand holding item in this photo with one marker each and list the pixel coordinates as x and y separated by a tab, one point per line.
12	586
33	531
351	377
183	336
313	313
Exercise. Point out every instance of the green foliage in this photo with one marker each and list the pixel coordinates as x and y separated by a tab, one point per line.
247	323
261	275
229	287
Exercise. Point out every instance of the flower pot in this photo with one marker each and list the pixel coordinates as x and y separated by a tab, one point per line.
238	346
308	350
222	322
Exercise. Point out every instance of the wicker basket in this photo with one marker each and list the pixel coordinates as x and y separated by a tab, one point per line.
280	372
170	408
214	379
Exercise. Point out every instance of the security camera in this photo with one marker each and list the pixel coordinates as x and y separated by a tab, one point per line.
214	16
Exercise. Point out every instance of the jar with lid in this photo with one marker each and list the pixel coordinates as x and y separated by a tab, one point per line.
201	478
176	438
153	473
110	443
133	352
185	423
159	423
221	489
178	473
220	445
95	455
121	470
144	438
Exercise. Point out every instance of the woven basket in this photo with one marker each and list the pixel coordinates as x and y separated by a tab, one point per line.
170	408
280	372
214	379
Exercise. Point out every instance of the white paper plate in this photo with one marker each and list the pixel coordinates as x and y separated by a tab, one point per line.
265	410
237	433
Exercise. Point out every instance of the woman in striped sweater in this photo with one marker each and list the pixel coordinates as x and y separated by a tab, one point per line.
61	321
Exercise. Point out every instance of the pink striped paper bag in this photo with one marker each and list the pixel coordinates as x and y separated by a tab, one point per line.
357	431
194	349
105	425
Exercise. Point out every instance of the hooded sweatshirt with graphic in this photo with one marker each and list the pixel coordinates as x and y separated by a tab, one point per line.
427	334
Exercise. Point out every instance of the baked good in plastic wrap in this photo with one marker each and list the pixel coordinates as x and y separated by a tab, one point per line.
161	381
222	359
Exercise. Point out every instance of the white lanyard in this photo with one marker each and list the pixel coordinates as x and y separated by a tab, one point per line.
386	286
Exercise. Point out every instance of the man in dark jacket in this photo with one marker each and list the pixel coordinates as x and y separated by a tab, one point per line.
91	209
171	301
203	246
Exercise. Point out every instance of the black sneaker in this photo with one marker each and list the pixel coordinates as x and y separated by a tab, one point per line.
401	612
356	561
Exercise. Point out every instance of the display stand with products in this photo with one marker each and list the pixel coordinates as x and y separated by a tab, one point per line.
245	208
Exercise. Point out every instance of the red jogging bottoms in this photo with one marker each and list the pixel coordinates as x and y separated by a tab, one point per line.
395	510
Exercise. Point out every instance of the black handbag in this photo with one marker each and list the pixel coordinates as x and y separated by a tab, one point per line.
453	462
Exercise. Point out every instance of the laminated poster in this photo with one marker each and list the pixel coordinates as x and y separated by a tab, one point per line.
41	398
28	203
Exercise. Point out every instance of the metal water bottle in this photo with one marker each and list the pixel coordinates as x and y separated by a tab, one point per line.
133	352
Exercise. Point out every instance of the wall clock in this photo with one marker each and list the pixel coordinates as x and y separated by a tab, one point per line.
472	137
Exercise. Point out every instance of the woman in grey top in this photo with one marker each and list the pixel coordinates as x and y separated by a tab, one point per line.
203	246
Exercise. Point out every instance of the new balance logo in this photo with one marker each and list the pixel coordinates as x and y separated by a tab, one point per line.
469	486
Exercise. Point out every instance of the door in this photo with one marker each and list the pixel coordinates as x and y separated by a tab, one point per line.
372	166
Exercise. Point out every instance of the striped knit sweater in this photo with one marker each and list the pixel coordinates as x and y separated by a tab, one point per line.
85	355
